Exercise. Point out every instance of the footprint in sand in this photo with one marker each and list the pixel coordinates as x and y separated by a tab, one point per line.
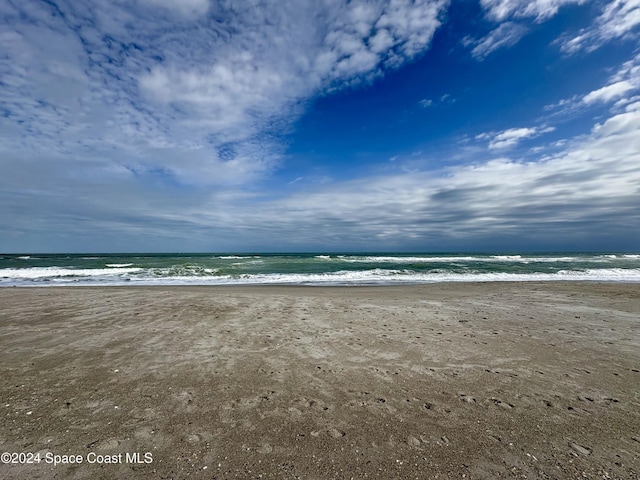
185	397
108	445
144	433
304	403
335	433
467	398
580	449
500	403
265	448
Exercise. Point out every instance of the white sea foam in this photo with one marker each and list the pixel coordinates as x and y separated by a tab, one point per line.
453	259
185	271
392	259
207	276
35	273
25	257
391	277
118	265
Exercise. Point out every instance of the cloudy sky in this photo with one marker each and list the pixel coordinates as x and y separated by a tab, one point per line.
319	125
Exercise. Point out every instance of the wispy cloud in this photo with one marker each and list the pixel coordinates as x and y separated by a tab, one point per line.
442	100
505	35
511	137
621	87
500	10
619	19
511	14
609	92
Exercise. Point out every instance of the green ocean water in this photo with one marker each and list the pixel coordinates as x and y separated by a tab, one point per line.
311	268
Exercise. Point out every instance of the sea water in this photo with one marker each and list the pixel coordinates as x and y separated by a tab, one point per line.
311	268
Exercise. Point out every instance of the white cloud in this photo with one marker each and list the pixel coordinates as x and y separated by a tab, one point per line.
303	48
609	92
500	10
619	19
625	81
622	87
444	99
196	89
505	35
510	137
509	32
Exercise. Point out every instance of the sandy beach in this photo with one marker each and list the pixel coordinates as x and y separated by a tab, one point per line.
475	381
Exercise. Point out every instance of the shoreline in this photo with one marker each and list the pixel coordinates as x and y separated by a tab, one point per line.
441	380
397	285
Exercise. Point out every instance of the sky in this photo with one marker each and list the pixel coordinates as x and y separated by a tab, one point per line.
319	125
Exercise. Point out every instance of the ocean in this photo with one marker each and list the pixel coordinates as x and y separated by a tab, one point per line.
310	269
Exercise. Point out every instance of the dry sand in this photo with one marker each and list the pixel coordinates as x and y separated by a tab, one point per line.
477	381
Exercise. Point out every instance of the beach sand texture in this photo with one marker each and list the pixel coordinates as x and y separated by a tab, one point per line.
475	381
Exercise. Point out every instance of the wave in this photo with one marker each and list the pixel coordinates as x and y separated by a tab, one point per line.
118	265
392	276
453	259
35	273
183	271
392	259
194	275
477	258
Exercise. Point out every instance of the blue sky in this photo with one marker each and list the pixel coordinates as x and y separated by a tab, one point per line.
426	125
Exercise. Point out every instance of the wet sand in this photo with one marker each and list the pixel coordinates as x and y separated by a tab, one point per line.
476	381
